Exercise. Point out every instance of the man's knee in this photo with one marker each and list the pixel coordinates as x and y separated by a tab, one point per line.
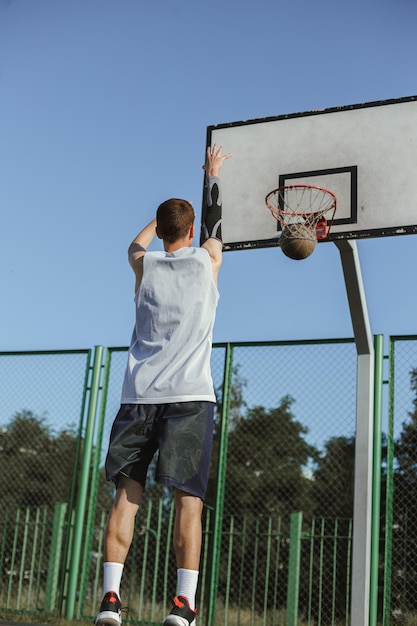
187	503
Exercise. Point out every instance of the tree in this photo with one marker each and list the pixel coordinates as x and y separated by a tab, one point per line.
267	457
237	411
406	444
333	485
266	479
405	506
36	466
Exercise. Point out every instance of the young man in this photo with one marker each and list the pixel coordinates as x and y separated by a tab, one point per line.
167	397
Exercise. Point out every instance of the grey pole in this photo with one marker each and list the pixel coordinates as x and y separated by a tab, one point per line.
362	511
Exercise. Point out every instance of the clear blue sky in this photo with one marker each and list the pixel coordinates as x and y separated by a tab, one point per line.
104	108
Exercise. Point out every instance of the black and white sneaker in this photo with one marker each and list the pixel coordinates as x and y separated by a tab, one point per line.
181	613
110	611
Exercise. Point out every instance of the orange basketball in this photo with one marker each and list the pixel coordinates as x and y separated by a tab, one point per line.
297	241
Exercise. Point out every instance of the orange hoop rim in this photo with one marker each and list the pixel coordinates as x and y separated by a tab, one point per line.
276	209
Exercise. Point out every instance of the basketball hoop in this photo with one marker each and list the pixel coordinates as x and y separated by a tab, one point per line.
299	206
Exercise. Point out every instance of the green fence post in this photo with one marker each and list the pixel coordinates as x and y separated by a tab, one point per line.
13	557
23	548
389	506
34	555
376	487
55	554
94	484
83	487
221	482
294	569
75	480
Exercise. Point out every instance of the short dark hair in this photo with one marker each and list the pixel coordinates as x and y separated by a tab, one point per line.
174	217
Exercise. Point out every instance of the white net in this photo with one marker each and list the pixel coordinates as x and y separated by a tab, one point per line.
302	204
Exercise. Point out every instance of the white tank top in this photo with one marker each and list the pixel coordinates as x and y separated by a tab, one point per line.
169	354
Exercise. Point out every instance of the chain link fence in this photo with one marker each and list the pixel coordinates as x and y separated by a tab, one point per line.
290	447
278	513
42	404
400	521
43	396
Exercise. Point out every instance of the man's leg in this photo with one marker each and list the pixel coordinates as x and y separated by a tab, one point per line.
117	540
187	547
187	530
121	520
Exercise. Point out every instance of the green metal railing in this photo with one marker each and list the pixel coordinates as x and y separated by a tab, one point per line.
294	569
389	507
80	511
148	603
376	484
221	465
290	567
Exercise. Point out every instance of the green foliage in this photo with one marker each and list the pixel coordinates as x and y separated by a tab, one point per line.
36	466
271	469
333	488
405	506
406	444
267	456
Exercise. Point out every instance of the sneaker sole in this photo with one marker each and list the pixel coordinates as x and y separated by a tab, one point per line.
176	620
107	618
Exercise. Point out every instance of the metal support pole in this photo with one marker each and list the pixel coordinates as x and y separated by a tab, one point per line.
362	511
83	487
376	490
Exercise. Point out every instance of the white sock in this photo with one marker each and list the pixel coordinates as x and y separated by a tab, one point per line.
187	580
112	575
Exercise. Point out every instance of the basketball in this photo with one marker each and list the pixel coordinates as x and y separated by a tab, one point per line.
297	241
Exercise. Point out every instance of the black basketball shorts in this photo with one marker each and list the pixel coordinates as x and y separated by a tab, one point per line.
182	433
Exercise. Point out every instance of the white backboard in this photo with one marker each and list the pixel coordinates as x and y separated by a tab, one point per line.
365	153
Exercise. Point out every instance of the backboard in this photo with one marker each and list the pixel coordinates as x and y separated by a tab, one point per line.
366	154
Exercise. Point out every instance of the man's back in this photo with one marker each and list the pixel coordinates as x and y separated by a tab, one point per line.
169	356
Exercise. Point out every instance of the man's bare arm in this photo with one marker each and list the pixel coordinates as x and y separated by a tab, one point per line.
138	247
211	232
